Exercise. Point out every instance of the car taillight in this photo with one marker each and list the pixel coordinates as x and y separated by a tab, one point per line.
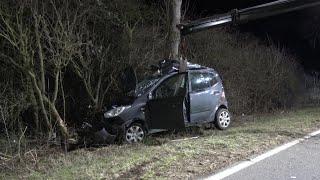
222	97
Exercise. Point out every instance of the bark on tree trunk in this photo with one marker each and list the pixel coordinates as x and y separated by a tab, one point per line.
63	127
35	110
44	99
41	56
175	32
40	98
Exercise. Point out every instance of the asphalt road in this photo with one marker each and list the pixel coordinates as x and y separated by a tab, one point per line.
301	162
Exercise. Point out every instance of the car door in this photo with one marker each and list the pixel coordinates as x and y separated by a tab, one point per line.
203	95
164	109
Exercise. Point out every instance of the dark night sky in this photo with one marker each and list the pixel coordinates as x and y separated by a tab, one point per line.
297	31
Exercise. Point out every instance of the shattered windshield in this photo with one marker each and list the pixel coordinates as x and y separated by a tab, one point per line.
145	85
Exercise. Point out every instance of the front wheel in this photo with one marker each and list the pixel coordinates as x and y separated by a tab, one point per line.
223	119
135	133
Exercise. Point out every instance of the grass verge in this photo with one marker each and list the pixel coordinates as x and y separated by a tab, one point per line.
161	158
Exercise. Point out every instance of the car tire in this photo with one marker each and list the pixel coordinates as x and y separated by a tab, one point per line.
222	119
134	133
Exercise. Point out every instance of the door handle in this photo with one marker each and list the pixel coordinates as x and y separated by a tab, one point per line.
216	92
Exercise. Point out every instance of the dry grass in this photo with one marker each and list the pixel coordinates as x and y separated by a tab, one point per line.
161	158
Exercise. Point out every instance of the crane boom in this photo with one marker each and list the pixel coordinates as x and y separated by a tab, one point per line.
244	15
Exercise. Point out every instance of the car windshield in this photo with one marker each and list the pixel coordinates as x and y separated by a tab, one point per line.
145	85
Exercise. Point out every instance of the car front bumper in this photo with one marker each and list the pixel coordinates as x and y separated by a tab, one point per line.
104	137
106	132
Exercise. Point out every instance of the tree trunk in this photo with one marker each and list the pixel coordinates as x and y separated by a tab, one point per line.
175	32
44	99
35	109
40	98
41	55
62	125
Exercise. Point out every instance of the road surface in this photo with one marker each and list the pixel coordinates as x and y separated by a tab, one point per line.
301	161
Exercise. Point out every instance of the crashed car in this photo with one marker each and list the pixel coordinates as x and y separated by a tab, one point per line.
167	100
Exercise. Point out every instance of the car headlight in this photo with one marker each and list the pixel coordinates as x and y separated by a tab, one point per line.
115	112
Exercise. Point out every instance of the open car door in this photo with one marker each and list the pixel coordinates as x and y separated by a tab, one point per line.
165	109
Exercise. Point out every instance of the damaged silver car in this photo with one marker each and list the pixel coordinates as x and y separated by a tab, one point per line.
167	100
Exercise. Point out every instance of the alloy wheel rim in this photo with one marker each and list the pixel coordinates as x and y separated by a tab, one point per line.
134	134
224	119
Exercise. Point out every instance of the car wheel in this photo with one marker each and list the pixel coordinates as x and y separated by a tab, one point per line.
135	133
223	119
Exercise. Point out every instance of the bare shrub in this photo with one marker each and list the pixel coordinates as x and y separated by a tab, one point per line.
312	89
257	77
12	105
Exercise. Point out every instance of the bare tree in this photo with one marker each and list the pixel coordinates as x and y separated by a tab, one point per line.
26	38
96	71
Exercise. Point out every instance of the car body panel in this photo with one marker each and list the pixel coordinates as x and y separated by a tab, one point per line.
204	101
201	105
165	110
165	114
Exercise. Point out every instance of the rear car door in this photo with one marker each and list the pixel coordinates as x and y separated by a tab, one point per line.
203	96
164	110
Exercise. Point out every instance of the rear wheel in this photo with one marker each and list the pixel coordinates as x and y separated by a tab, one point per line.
223	119
135	133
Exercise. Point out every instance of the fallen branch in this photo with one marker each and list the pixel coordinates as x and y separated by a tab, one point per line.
185	139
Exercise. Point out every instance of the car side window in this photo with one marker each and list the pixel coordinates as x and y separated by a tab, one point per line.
202	80
171	87
213	79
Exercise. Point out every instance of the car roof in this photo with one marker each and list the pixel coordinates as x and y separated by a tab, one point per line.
169	66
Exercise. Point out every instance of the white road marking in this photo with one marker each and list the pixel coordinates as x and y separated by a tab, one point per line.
238	167
314	133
